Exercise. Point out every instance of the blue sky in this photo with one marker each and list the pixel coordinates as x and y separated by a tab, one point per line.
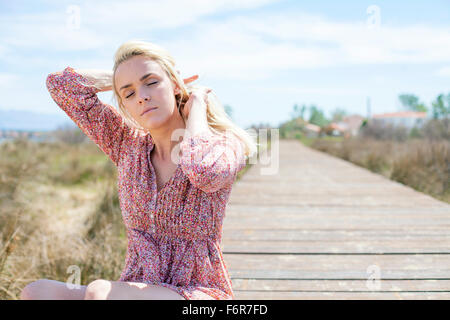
260	56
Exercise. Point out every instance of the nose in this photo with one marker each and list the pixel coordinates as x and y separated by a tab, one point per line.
144	99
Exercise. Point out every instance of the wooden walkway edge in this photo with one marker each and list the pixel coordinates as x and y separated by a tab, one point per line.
324	228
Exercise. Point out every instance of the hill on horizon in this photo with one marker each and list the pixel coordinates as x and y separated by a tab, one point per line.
25	120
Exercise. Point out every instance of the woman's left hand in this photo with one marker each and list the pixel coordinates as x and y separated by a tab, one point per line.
197	99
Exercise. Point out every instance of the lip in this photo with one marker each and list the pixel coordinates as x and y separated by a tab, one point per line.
147	110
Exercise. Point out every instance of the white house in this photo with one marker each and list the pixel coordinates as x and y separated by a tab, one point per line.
407	119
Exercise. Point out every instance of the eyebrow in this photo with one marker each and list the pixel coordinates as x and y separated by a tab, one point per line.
141	79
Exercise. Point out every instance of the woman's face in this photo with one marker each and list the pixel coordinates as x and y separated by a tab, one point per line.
142	85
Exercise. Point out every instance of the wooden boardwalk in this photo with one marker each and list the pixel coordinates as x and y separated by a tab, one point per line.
323	228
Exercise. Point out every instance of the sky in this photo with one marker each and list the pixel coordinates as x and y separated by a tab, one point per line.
259	56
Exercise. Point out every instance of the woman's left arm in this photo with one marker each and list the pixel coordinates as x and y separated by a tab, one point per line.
210	161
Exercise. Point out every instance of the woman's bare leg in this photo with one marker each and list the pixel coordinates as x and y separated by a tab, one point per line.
121	290
45	289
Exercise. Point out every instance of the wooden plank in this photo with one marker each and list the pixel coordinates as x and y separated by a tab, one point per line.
339	285
417	266
282	222
289	295
337	246
335	211
426	240
356	274
367	200
300	188
252	234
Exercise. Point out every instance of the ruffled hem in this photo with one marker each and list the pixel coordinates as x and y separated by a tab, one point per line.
194	269
198	293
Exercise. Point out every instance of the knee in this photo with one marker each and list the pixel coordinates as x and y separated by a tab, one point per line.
34	290
98	290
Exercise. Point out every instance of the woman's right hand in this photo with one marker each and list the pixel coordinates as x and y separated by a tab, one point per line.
198	99
102	79
195	111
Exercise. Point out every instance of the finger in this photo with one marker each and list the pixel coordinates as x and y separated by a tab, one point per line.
190	79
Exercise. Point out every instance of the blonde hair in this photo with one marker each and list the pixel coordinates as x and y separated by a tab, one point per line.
218	120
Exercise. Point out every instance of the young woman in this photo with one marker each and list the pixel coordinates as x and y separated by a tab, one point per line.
173	204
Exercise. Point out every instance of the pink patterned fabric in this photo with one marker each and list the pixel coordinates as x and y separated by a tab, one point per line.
174	235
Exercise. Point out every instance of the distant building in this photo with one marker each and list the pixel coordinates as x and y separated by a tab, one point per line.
349	126
352	124
311	130
407	119
307	129
334	129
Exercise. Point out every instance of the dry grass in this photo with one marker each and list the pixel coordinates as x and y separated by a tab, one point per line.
58	208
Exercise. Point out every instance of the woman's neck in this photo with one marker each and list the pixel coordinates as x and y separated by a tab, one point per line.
166	138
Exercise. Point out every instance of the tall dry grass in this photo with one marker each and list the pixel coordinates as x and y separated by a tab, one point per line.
58	208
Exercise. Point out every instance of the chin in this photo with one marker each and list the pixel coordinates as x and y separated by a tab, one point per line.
154	123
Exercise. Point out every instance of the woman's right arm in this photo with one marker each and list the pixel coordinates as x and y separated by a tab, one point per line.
99	121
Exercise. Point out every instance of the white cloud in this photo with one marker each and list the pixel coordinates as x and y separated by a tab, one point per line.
249	47
3	50
98	24
443	72
243	46
358	43
304	90
8	80
160	14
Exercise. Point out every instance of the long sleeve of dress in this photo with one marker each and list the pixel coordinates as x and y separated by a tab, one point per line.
211	161
99	121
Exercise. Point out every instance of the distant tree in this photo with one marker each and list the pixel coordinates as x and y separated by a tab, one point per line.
317	117
228	110
441	107
262	125
436	129
411	102
380	131
298	112
338	114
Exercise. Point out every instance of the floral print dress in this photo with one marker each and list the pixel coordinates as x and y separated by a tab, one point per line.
174	234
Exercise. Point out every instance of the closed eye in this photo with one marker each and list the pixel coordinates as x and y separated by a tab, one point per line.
147	86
